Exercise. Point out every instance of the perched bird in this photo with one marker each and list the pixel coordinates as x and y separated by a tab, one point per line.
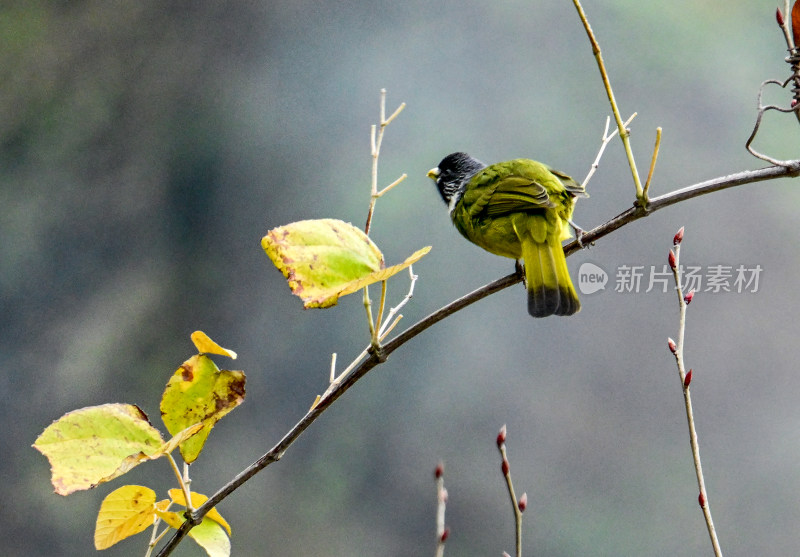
520	209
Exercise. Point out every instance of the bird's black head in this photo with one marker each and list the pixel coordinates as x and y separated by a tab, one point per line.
452	174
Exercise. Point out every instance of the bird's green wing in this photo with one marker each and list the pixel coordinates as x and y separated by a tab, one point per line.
512	187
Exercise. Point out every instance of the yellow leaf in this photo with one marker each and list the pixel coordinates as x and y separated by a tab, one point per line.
205	345
198	499
171	517
124	512
327	258
199	392
93	445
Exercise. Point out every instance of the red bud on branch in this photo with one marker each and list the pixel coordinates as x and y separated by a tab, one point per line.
678	238
523	502
439	471
501	437
505	467
689	297
779	17
672	346
445	535
701	499
687	379
671	259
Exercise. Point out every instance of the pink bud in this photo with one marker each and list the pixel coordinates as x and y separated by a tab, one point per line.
501	437
678	238
672	261
523	502
779	17
794	103
701	499
445	535
689	297
672	346
439	471
687	379
505	467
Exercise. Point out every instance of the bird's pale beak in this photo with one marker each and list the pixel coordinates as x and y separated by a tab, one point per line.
433	173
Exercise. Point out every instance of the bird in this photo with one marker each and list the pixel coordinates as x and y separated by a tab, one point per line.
520	209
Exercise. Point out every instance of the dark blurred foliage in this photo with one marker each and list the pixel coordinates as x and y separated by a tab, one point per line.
146	147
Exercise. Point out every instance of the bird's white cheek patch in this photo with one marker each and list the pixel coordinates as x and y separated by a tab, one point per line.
454	201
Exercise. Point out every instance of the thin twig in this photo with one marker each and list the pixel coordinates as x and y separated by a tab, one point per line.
373	359
376	139
606	139
368	308
181	481
686	378
624	134
516	506
442	531
760	114
333	367
393	184
381	307
787	33
388	325
652	165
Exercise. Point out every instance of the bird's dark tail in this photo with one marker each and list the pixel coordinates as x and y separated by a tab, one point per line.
550	289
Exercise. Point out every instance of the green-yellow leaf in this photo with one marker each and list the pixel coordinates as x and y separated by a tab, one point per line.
199	392
327	258
205	345
208	534
96	444
124	512
198	499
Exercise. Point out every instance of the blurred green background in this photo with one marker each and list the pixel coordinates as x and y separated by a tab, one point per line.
145	148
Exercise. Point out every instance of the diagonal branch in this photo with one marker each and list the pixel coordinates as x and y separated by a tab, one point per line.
791	169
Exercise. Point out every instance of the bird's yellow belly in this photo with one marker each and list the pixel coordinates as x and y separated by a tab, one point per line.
497	236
